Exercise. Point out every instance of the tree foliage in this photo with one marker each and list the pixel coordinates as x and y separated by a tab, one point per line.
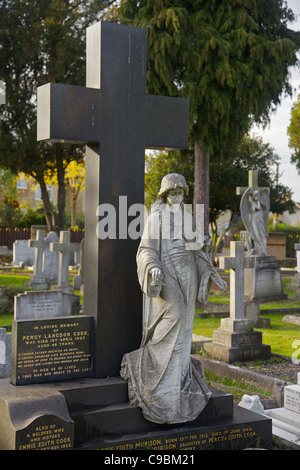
294	134
231	59
226	175
40	42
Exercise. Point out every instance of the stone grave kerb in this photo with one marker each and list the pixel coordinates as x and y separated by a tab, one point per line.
64	247
116	119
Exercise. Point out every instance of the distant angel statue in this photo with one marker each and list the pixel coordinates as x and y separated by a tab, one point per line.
162	378
255	206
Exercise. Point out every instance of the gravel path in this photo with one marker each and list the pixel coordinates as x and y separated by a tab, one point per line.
279	367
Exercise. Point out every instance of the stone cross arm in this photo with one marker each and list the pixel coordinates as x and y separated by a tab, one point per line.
114	103
64	245
74	114
228	262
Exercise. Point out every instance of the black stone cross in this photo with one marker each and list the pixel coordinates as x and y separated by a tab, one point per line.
117	120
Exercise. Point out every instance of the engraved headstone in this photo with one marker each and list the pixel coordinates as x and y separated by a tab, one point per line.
43	423
42	304
49	350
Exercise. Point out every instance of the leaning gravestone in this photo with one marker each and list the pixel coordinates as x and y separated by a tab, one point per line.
124	119
262	279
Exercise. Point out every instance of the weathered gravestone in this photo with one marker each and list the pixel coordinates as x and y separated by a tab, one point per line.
64	247
262	279
39	280
236	340
50	263
42	304
124	120
23	255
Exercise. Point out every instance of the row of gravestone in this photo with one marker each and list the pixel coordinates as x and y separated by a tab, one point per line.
44	253
51	261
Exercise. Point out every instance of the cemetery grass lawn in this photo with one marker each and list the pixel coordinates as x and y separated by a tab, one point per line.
16	282
280	336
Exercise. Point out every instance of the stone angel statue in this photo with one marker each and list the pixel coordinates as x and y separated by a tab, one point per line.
255	206
162	378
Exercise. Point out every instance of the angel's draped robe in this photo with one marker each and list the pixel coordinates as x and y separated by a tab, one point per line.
162	378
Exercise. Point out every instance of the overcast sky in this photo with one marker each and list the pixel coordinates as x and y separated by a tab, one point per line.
276	133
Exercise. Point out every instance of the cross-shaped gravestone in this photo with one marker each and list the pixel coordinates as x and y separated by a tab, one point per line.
64	247
117	119
40	244
237	262
254	207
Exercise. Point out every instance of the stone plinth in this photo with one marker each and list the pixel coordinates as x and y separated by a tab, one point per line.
286	420
236	340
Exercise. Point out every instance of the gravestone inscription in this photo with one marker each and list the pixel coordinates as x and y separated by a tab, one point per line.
42	304
49	350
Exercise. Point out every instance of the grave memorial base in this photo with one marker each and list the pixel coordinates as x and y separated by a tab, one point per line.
90	414
236	340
